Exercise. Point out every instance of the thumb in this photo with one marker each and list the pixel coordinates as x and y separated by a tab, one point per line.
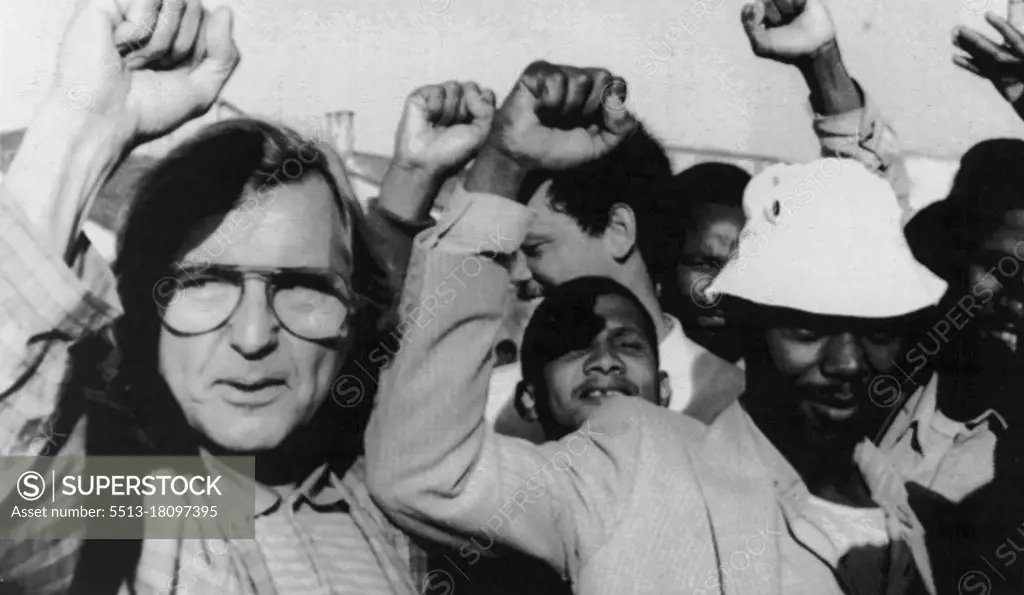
481	106
526	94
222	55
618	121
753	23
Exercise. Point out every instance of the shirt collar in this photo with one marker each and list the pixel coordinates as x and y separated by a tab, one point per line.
920	416
321	489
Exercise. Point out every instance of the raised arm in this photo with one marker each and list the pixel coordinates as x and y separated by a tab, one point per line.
118	83
436	137
802	33
433	462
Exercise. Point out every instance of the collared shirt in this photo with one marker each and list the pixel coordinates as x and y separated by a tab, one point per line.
45	307
324	537
951	458
812	526
698	379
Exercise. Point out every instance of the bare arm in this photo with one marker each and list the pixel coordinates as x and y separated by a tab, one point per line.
802	33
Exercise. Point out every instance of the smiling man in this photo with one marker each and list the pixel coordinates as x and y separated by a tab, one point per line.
831	302
590	339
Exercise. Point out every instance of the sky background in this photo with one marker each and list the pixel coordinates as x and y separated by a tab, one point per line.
304	57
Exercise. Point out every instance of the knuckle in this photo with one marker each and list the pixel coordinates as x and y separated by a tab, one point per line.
556	77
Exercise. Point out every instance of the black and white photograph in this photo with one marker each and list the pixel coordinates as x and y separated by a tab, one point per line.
511	297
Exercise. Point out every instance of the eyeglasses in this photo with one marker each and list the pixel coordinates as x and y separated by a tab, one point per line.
310	303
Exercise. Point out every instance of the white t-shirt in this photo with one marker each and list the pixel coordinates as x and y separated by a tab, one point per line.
860	543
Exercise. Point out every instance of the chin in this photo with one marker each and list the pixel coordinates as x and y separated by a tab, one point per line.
248	433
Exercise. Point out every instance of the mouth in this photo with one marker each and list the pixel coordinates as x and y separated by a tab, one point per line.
711	323
834	412
251	393
836	407
598	392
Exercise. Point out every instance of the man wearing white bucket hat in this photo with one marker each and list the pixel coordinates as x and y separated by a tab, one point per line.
830	293
662	503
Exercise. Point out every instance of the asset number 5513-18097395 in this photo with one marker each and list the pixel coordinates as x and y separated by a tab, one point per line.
162	511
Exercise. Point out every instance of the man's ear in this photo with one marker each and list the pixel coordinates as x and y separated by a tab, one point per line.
620	235
526	404
664	389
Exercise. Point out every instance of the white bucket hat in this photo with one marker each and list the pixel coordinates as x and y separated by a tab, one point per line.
826	237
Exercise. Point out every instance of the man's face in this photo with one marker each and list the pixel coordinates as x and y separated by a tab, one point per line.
995	277
618	360
249	384
825	371
557	250
710	241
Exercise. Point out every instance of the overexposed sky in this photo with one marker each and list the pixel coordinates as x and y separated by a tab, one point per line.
304	57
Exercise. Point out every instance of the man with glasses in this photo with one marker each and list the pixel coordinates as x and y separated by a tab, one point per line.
245	283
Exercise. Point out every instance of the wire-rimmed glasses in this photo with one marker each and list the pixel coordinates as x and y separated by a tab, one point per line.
311	303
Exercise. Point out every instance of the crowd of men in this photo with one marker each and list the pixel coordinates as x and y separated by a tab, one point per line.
785	383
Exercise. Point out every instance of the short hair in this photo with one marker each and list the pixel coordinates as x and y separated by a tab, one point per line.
565	319
205	178
630	175
709	183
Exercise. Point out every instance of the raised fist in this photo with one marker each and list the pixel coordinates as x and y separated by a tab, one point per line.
146	65
788	31
442	127
558	117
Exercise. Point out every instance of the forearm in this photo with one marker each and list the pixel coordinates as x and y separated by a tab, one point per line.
494	172
61	165
833	90
395	236
408	193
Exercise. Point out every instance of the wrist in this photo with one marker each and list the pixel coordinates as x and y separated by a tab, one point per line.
833	90
105	134
495	171
408	191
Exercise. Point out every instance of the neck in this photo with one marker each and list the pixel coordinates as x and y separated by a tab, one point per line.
306	449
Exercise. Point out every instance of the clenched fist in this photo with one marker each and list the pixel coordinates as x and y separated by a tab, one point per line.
443	126
558	117
146	66
788	31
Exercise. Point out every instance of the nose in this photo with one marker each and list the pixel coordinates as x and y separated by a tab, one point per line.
520	271
253	327
698	291
521	278
603	360
844	358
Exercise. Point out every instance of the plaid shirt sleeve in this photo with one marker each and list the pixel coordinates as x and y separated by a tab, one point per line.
45	306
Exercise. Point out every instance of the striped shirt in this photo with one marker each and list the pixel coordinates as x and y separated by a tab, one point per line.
47	306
